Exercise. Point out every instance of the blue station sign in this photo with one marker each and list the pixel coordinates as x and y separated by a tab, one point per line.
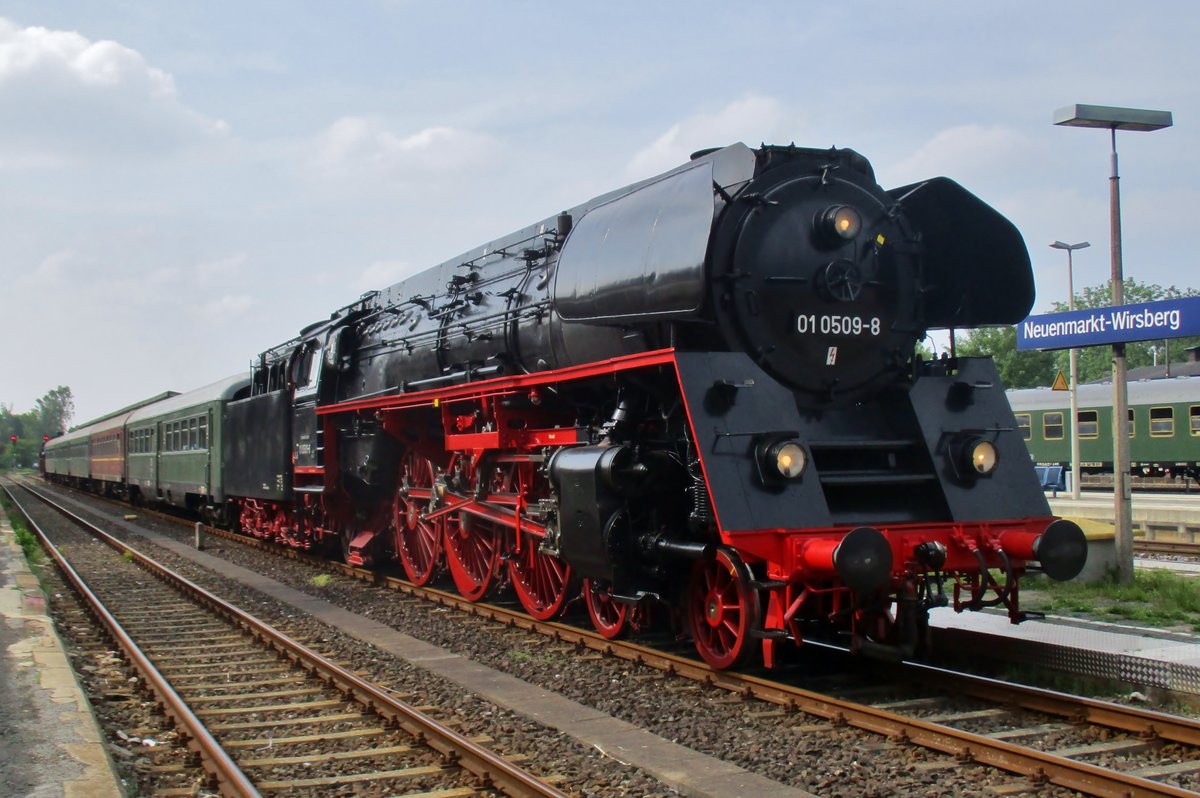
1148	321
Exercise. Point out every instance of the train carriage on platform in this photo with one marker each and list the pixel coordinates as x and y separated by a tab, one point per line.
93	456
66	457
176	448
1164	427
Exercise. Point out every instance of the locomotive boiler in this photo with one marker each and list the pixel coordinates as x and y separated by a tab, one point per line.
693	399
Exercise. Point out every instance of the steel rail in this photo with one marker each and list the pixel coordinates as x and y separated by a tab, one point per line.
1167	547
1050	768
229	778
1040	766
492	770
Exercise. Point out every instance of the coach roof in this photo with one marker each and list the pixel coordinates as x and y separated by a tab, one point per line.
220	391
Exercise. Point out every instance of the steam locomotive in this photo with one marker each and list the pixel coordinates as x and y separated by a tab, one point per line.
693	397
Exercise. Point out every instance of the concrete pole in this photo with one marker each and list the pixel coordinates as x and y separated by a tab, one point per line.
1122	499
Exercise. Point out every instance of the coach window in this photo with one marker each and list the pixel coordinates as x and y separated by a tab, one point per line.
1089	424
193	435
1052	426
1194	419
1023	424
1162	422
1132	424
203	432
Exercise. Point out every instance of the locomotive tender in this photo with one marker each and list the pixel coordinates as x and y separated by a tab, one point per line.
698	392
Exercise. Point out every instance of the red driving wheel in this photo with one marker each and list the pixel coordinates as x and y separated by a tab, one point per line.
723	610
610	617
418	542
542	582
472	544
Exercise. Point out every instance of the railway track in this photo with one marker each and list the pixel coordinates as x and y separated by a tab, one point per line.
1040	737
261	712
1172	547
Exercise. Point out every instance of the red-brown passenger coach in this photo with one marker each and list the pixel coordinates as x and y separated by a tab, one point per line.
693	399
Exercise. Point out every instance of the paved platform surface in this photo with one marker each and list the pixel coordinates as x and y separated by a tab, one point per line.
1143	657
1189	568
50	745
1170	517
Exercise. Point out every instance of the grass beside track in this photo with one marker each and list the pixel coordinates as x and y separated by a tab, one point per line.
1155	598
28	542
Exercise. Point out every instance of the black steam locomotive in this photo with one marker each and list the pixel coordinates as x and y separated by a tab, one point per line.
693	397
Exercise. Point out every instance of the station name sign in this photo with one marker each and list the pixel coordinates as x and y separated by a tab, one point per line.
1148	321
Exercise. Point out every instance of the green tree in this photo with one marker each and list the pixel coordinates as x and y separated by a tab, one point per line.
1017	369
50	416
55	410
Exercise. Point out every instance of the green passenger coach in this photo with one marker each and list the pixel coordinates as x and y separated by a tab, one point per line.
1164	426
174	447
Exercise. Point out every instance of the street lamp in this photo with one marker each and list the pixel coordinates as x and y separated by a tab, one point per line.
1070	248
1114	119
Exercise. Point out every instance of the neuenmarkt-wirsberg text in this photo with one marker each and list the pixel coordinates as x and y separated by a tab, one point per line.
1103	322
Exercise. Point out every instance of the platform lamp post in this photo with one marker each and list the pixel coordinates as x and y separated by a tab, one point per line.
1114	119
1070	248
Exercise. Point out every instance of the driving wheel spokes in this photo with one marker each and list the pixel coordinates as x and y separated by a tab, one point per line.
609	616
418	542
723	610
472	544
543	583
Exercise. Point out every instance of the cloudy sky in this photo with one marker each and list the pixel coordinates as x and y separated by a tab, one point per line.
188	183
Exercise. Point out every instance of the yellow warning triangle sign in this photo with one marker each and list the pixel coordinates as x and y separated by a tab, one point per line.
1060	383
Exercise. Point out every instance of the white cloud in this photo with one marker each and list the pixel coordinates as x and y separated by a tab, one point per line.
53	268
356	146
66	99
226	307
221	267
968	153
751	119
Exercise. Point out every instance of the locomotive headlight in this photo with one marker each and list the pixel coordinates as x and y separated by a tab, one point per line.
839	223
788	459
972	457
983	456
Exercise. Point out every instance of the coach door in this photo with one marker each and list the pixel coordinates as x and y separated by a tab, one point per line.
156	452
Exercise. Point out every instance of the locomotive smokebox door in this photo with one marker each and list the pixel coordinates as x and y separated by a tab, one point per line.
820	286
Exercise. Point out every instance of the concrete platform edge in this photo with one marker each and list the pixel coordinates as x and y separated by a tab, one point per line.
84	768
